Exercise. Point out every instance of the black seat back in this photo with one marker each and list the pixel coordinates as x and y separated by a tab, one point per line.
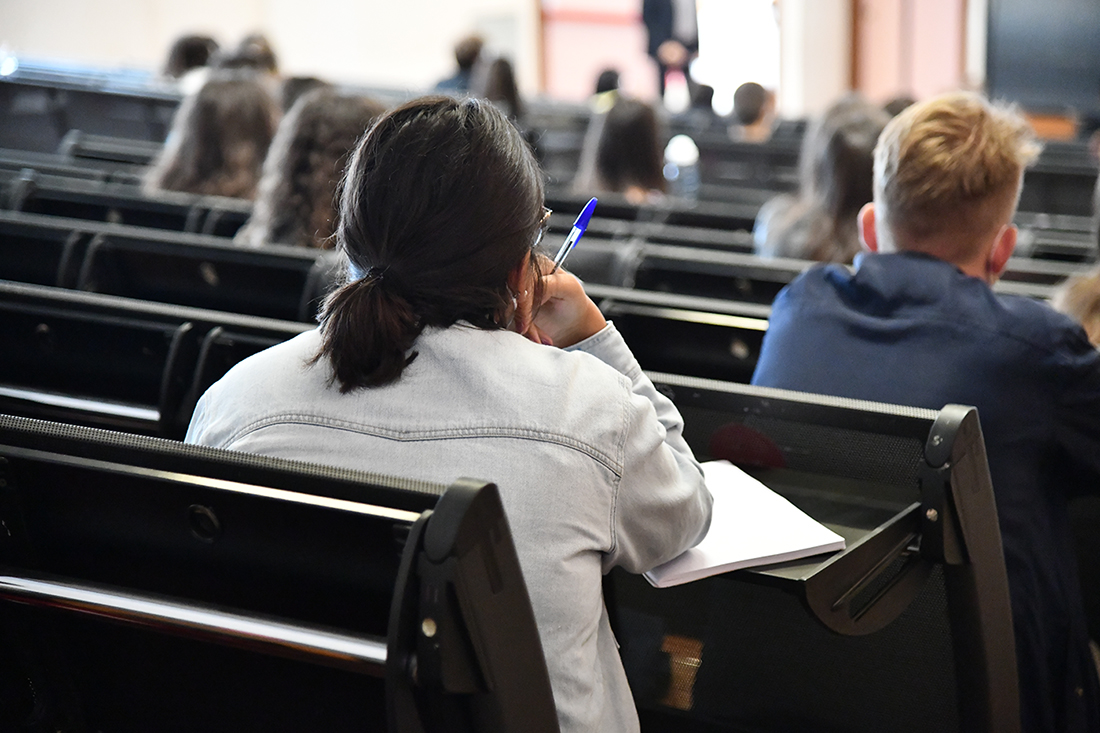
920	634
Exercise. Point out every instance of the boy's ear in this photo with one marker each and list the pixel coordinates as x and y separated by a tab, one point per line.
866	223
1002	250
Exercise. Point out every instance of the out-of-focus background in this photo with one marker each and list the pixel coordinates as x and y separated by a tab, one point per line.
810	51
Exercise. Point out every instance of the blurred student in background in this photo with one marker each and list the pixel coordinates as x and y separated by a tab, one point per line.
292	88
495	80
836	171
624	153
218	139
187	53
297	201
1079	296
898	104
467	52
607	81
253	52
753	112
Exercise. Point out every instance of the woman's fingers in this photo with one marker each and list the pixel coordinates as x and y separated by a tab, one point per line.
533	333
567	315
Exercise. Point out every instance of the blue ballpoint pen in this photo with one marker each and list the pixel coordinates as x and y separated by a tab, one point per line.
574	234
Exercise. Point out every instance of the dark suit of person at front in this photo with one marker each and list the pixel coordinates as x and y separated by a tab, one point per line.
918	324
673	35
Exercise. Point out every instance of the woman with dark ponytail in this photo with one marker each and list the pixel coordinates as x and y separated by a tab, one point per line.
451	350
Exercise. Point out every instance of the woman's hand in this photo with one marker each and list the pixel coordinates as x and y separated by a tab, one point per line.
566	315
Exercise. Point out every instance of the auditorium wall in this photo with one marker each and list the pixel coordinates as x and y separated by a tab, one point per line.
897	45
402	44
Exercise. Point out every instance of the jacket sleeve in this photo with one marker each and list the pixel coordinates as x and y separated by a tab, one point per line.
197	428
209	425
1078	417
662	505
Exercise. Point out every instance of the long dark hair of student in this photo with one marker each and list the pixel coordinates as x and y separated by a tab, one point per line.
630	151
442	200
836	176
841	171
496	81
296	203
218	140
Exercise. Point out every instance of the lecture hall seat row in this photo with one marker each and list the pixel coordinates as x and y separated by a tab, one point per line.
153	346
165	266
122	202
696	312
107	361
908	629
149	585
35	183
886	648
38	183
39	107
111	362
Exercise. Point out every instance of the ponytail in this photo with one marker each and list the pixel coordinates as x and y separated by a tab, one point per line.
367	334
441	201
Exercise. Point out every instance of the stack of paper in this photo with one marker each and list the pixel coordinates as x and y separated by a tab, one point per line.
751	525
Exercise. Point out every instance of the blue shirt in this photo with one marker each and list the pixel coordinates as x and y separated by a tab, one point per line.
914	330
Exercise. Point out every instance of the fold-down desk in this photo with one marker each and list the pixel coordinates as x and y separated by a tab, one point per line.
908	629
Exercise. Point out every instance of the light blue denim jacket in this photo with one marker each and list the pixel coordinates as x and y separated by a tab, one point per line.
589	458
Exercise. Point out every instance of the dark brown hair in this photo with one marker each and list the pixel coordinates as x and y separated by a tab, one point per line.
844	174
748	102
836	170
189	52
297	203
496	81
218	140
467	51
293	88
253	52
607	81
630	151
442	199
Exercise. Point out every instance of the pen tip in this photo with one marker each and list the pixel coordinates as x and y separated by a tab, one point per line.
586	213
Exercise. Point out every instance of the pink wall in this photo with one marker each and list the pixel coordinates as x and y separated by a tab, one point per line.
938	46
913	47
582	39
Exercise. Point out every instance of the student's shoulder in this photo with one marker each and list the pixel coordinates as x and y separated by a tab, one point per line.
1031	316
817	281
275	365
597	364
512	358
1040	326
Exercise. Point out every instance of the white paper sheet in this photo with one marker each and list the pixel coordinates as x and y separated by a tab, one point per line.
751	525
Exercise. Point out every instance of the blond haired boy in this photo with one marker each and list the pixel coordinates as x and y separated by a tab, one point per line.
917	323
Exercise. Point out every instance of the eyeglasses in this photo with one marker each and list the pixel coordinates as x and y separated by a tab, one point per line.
544	223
